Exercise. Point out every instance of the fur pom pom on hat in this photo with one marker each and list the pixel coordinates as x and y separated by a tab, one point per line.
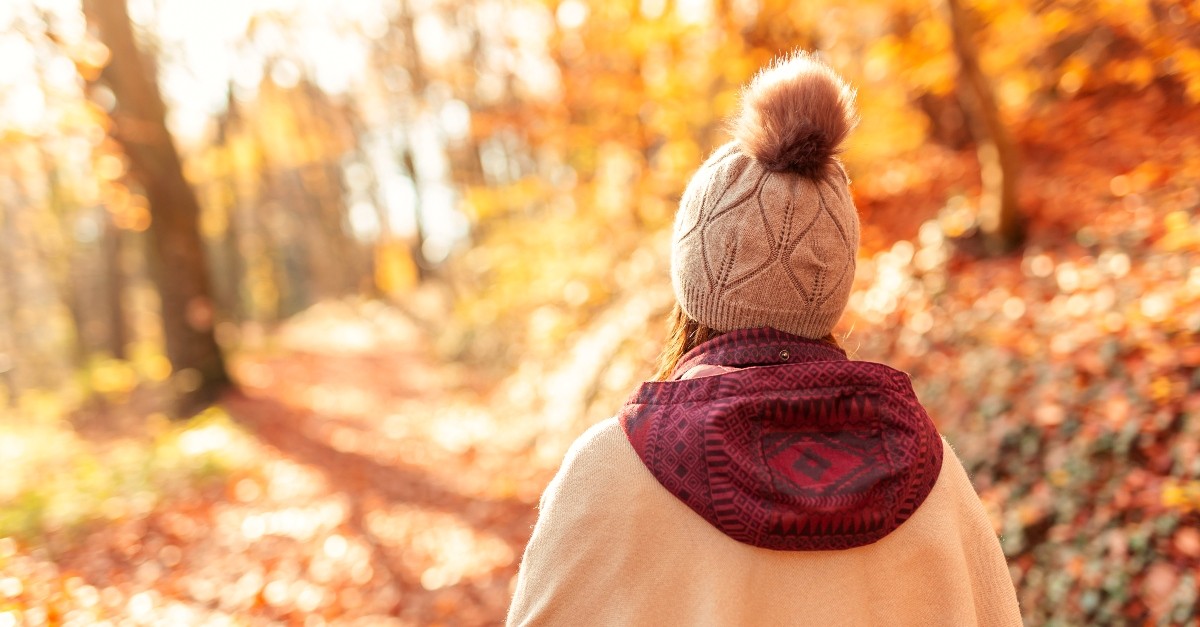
795	116
767	233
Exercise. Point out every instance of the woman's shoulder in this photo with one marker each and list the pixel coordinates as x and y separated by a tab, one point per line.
954	496
601	451
953	471
599	462
600	441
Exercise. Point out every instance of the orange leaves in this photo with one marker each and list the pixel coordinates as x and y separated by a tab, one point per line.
127	210
90	58
1183	496
395	272
1182	233
1187	542
1186	62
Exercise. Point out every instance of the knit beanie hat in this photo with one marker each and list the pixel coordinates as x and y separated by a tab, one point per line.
766	233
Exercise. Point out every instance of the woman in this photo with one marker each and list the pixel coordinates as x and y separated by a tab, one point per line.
763	478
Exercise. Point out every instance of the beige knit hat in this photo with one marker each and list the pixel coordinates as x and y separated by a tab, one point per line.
766	232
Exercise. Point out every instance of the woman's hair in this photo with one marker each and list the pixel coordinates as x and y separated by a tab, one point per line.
684	334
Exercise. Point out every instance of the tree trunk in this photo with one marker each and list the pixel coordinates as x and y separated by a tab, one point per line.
10	341
235	266
72	269
178	258
405	22
1000	218
114	292
424	268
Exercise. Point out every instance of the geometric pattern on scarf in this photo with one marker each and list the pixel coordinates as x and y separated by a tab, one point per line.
801	449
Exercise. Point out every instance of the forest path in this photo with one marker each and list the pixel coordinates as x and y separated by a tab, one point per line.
380	487
434	486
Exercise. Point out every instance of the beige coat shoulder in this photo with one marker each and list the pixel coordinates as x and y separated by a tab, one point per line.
613	547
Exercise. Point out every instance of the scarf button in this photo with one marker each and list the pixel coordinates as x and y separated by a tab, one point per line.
785	355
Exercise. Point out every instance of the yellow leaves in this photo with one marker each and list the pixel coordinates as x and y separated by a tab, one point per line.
920	60
1014	91
935	74
1132	14
879	58
1176	221
241	153
84	118
677	158
1186	62
260	283
725	104
1057	20
931	35
109	167
154	367
1138	180
739	67
113	377
1181	233
1074	73
214	219
655	212
127	210
482	203
1181	495
644	36
885	131
1138	72
618	169
288	135
116	378
90	58
395	272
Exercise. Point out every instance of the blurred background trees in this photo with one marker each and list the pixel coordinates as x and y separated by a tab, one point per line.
179	266
462	159
186	185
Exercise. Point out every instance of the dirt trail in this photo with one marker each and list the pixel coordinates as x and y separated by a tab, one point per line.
385	492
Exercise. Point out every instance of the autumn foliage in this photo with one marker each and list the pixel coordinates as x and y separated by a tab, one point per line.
436	250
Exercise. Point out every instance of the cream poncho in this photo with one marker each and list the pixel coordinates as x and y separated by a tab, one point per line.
613	547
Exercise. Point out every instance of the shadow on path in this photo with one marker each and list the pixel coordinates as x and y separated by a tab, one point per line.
370	484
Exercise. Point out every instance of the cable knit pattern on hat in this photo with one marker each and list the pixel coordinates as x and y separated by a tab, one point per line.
766	233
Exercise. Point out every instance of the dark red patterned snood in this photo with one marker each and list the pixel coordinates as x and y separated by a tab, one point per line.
801	449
